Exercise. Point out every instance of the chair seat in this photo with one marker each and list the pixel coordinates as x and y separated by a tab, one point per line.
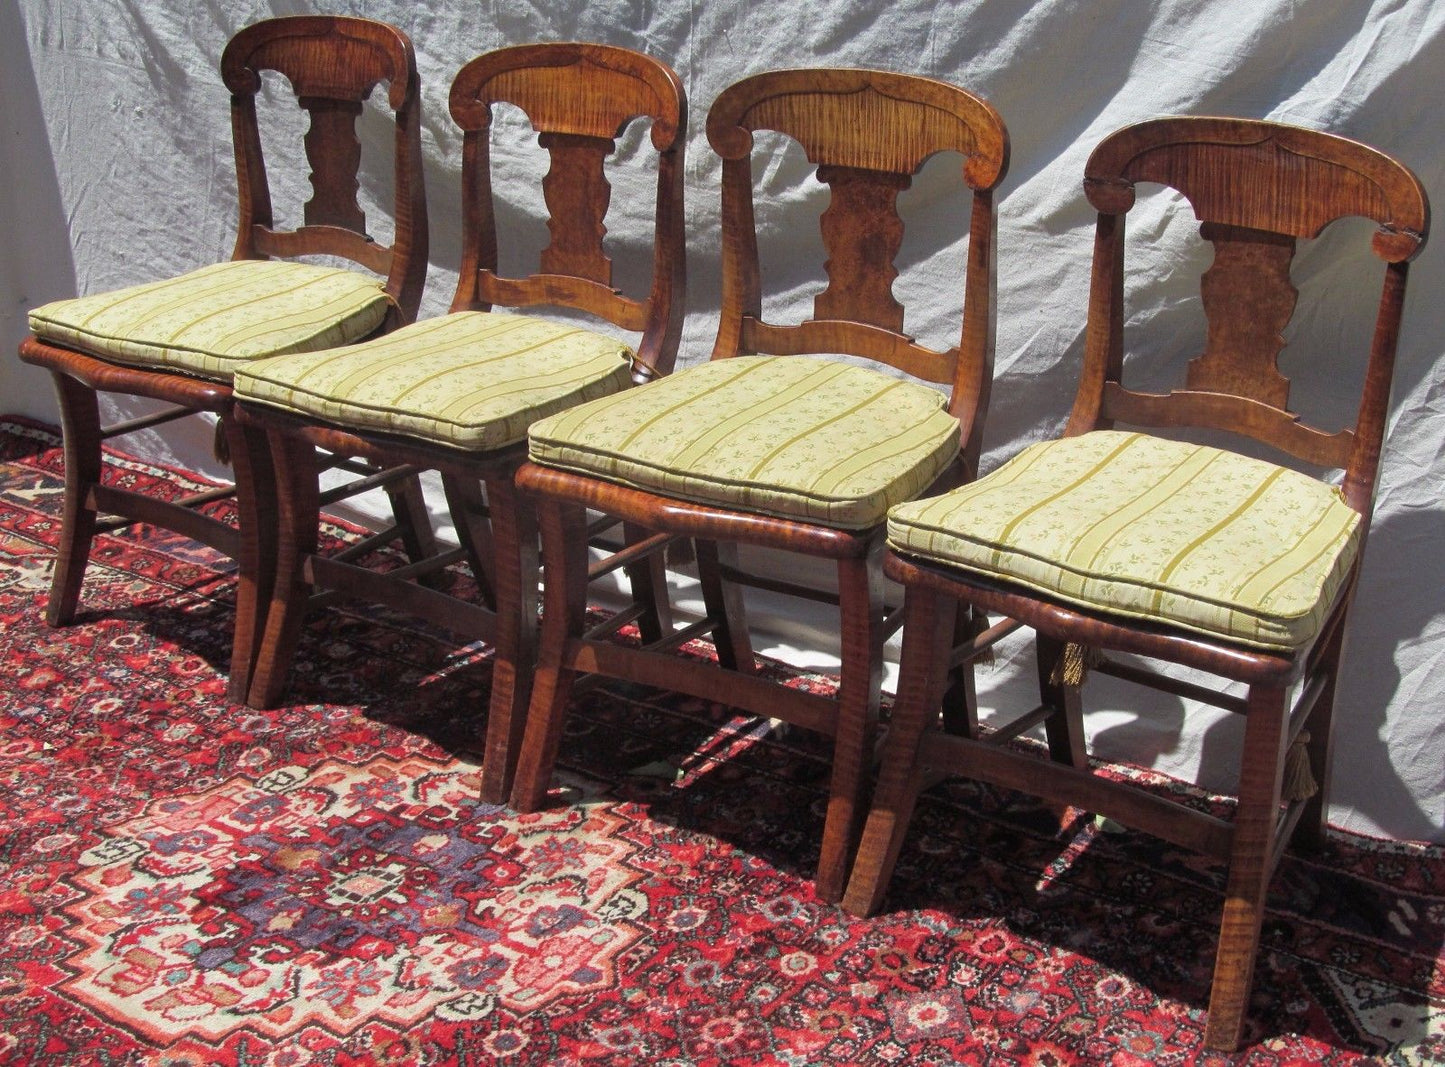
1128	524
210	321
787	436
472	380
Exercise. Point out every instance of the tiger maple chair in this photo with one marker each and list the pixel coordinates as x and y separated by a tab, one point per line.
763	445
180	340
457	393
1136	542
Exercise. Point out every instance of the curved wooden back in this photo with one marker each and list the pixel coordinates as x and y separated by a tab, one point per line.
333	63
868	132
579	98
1257	188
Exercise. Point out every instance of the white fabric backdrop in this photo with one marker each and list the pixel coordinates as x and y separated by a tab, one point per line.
117	168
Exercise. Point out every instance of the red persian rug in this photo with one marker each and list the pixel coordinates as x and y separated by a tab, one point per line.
184	881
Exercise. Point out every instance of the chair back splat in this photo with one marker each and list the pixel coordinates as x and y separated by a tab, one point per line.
579	135
181	340
868	133
1257	189
456	393
768	445
1108	541
333	64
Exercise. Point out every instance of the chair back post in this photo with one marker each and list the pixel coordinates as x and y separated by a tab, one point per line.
973	379
1257	188
1104	330
579	98
868	132
333	64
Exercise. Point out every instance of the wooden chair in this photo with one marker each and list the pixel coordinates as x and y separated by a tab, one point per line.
180	340
778	450
456	393
1138	543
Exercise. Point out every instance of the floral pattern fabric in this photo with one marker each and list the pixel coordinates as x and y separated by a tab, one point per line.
790	436
1130	524
473	380
213	320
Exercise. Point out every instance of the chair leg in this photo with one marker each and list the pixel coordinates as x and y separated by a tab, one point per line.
256	510
1309	831
1255	823
960	699
723	601
861	675
1064	729
514	531
299	516
469	515
80	421
413	523
922	679
564	618
648	581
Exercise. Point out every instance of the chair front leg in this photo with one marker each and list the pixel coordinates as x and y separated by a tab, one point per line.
298	510
258	521
514	537
80	422
922	680
1256	818
860	603
564	618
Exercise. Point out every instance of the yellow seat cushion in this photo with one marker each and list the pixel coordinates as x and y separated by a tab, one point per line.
472	380
787	436
1128	524
213	320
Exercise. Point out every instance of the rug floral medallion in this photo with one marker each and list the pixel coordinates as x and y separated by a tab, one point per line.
186	882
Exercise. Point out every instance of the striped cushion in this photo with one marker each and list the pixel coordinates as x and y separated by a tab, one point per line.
788	436
210	321
1134	525
474	380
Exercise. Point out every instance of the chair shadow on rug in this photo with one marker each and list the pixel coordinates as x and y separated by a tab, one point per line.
981	858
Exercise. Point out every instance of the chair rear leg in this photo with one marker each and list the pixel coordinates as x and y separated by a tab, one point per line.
723	601
648	581
923	676
1309	831
474	529
1064	729
860	603
80	421
299	517
960	699
256	508
514	532
564	618
413	525
1255	822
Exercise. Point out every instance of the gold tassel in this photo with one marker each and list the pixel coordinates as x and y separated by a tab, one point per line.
1299	778
219	444
1074	664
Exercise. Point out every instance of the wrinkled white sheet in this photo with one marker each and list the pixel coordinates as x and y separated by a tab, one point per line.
117	168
